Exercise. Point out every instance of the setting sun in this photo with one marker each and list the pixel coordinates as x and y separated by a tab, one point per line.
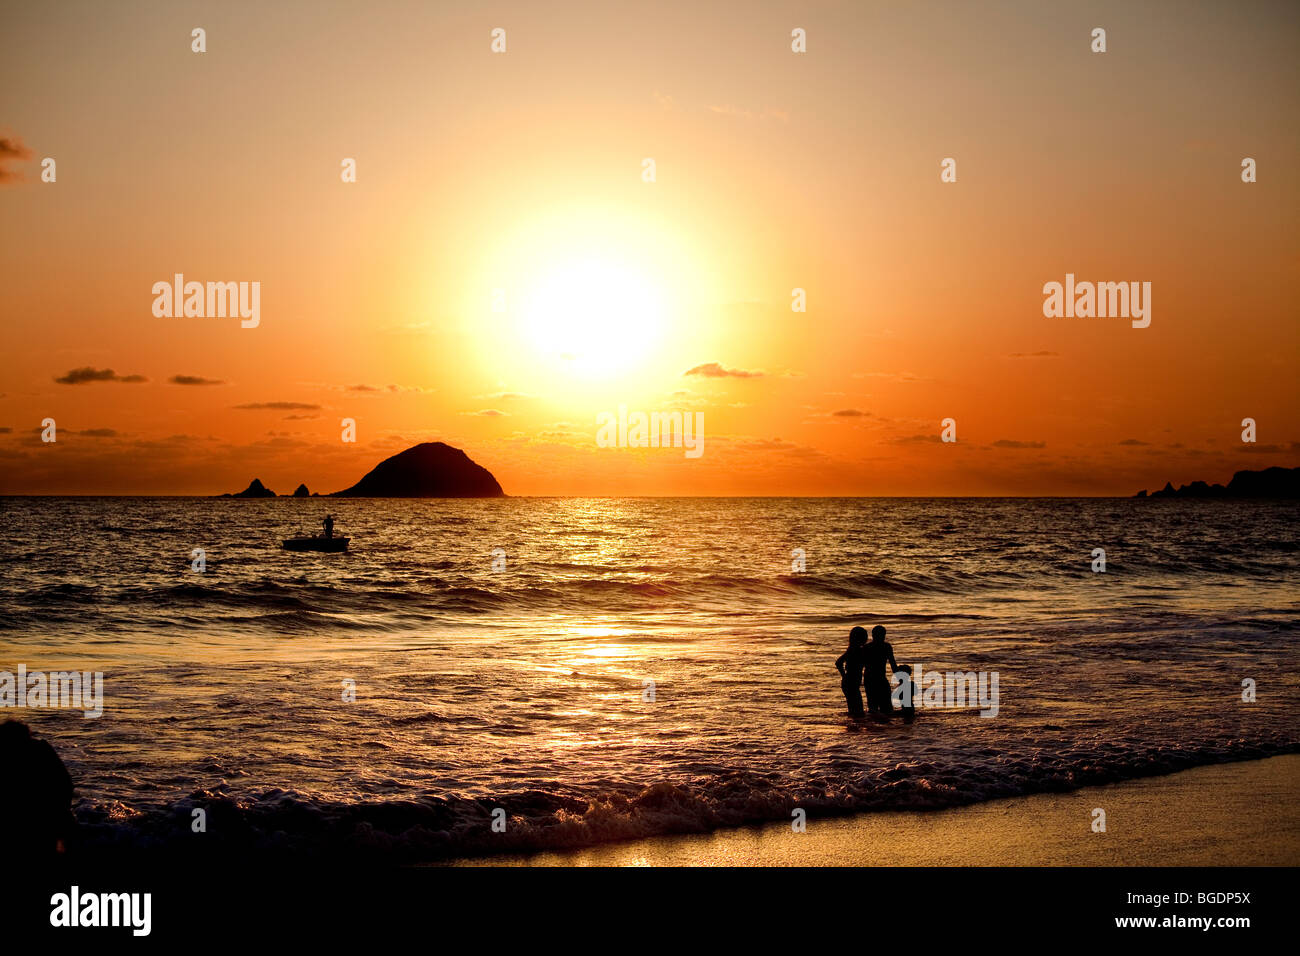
596	316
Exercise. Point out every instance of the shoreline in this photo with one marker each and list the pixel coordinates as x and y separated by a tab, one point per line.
1232	814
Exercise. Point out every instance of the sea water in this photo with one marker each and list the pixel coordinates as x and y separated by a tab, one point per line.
595	669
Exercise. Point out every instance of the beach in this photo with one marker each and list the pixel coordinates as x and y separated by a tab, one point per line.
1237	814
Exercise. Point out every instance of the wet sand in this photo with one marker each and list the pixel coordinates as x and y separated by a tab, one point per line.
1238	814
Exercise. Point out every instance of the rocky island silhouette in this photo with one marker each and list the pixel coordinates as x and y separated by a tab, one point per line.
1275	482
428	470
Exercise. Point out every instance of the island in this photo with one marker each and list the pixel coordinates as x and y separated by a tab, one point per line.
1273	482
255	489
429	470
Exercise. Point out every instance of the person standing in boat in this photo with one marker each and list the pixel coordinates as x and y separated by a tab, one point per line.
329	526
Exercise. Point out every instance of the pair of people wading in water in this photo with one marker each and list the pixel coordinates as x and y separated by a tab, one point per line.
863	666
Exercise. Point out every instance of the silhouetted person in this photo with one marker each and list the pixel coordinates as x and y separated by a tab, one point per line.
329	526
878	653
35	796
850	665
906	693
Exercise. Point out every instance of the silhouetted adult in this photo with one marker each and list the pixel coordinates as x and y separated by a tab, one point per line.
850	665
35	796
329	526
877	654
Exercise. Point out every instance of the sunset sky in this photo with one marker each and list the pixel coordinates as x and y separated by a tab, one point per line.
522	172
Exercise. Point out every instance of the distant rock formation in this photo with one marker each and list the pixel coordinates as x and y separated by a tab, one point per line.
1270	483
301	492
429	470
254	490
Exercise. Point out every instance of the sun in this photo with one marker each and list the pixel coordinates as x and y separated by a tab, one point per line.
595	316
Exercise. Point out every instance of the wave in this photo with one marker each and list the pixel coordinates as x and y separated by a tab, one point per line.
461	593
429	827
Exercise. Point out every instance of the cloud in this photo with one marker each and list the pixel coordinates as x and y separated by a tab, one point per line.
1008	443
87	432
914	439
1034	355
1134	442
505	397
381	388
279	406
12	149
895	376
194	380
488	413
850	413
86	375
6	430
778	446
1251	448
716	370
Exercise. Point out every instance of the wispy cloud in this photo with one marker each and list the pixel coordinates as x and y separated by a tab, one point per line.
505	397
279	406
392	389
194	380
914	439
717	370
12	150
87	375
893	376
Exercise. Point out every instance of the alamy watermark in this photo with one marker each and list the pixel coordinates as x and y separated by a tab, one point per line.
946	689
215	300
71	690
651	430
1086	300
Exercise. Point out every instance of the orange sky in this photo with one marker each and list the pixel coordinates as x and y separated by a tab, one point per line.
522	172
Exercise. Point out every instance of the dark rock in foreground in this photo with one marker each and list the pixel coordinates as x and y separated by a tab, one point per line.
255	490
429	470
1270	483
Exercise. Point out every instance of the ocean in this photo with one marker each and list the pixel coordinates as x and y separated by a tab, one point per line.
587	670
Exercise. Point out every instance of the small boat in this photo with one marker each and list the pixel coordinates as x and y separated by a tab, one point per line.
318	543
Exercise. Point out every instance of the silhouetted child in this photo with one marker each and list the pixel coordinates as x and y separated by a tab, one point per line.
907	691
850	665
